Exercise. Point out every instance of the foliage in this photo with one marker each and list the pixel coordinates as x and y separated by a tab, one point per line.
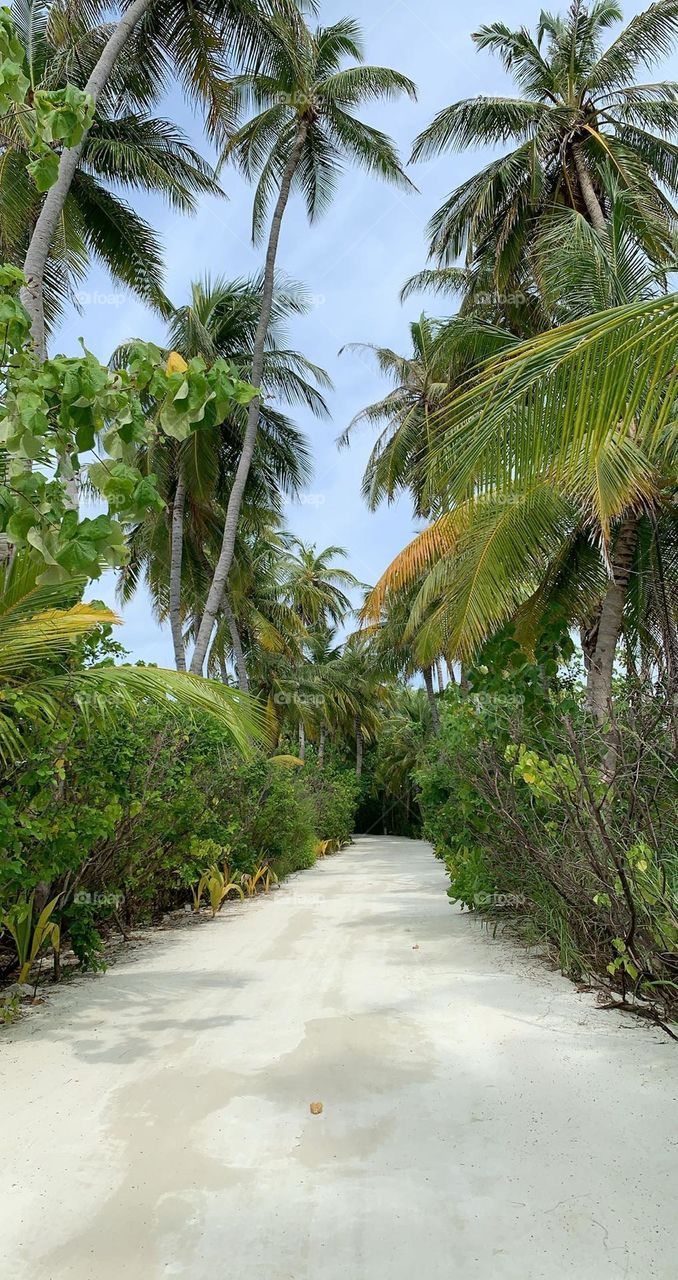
31	932
54	414
42	677
333	791
125	826
513	802
46	116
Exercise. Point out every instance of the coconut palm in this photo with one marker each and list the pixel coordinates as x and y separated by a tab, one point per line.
189	42
442	355
195	477
560	447
581	124
303	130
258	625
316	587
126	146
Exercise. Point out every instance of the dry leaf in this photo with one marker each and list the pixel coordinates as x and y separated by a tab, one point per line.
316	1108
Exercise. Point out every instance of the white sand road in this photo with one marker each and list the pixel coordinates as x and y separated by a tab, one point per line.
482	1120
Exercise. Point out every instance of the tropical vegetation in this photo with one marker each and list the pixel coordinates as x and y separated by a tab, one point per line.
508	687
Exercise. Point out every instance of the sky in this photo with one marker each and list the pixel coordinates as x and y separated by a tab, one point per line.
352	264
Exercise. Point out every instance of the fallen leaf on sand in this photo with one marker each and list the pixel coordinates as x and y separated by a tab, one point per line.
316	1108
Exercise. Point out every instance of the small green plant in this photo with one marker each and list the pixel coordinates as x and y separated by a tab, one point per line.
31	937
10	1009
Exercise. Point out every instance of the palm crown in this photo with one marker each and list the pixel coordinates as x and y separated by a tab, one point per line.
305	92
581	123
126	146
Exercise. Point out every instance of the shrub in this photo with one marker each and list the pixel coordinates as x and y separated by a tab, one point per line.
120	824
514	801
333	792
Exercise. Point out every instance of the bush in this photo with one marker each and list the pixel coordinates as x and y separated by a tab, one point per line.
122	823
333	793
514	801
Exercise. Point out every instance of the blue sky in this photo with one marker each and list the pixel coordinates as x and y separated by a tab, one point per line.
353	263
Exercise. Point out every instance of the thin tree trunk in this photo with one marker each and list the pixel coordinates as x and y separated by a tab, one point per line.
588	636
176	558
236	645
439	676
667	625
599	690
463	680
32	295
302	741
593	206
321	746
435	715
225	560
359	747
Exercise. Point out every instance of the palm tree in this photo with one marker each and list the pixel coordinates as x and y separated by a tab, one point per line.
185	41
403	734
316	587
125	146
195	477
386	633
581	124
221	320
303	128
442	355
259	627
558	454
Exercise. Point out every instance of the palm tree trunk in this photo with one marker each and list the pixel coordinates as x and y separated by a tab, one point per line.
225	560
321	746
593	206
236	645
53	205
176	558
599	690
439	676
463	680
428	681
359	747
302	741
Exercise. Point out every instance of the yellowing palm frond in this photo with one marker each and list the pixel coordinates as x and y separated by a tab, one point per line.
433	543
39	677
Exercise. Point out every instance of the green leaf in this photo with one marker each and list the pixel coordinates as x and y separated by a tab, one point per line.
44	170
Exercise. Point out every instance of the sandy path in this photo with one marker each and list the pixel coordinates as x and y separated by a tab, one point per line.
481	1120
